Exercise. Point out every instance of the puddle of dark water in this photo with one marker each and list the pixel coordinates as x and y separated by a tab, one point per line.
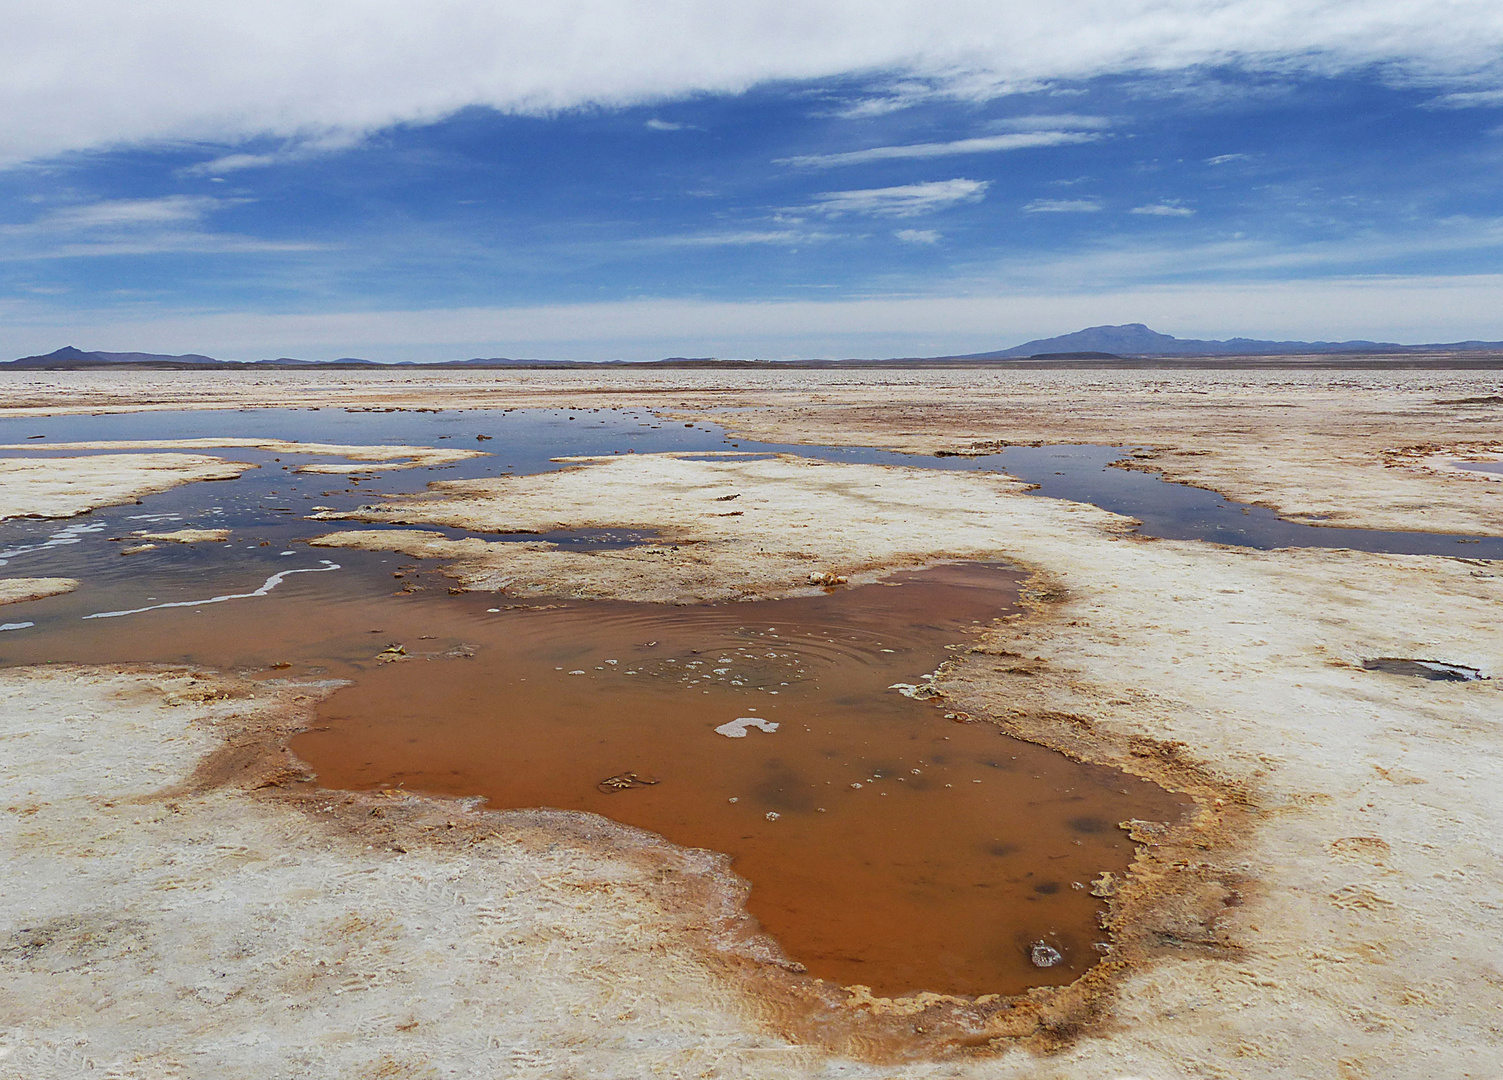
1434	670
1480	466
1179	512
530	441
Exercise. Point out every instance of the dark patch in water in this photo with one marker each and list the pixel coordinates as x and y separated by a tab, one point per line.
1089	826
1181	512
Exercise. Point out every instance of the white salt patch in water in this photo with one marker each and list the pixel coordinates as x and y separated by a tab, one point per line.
270	583
736	729
70	534
16	625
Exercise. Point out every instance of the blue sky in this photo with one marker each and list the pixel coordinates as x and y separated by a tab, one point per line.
935	203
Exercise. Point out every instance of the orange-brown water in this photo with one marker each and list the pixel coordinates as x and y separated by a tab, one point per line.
884	843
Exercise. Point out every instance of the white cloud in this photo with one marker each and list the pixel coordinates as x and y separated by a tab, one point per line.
126	213
1469	99
898	96
299	149
985	144
1116	263
746	237
235	162
81	74
164	243
1227	159
174	223
1062	206
1163	209
1066	121
665	125
907	200
917	236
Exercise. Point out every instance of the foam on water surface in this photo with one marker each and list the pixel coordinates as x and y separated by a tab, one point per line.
737	728
266	587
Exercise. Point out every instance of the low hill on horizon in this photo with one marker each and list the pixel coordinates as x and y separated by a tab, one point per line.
1128	344
1136	339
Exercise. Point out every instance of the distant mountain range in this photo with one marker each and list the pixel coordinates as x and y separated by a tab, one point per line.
69	358
1131	344
1135	340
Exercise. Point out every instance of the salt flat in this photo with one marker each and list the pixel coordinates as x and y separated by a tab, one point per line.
1329	910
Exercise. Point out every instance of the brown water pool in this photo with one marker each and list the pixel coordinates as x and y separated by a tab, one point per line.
886	844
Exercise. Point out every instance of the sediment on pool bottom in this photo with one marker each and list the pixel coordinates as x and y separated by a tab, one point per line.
886	844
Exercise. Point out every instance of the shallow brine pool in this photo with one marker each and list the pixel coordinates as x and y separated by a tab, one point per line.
888	841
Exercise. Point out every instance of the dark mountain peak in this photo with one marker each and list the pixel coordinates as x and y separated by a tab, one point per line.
71	357
1137	339
1128	339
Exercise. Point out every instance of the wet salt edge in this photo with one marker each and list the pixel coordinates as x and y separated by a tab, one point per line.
270	583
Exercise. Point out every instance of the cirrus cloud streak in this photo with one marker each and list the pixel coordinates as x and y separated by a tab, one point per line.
906	200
